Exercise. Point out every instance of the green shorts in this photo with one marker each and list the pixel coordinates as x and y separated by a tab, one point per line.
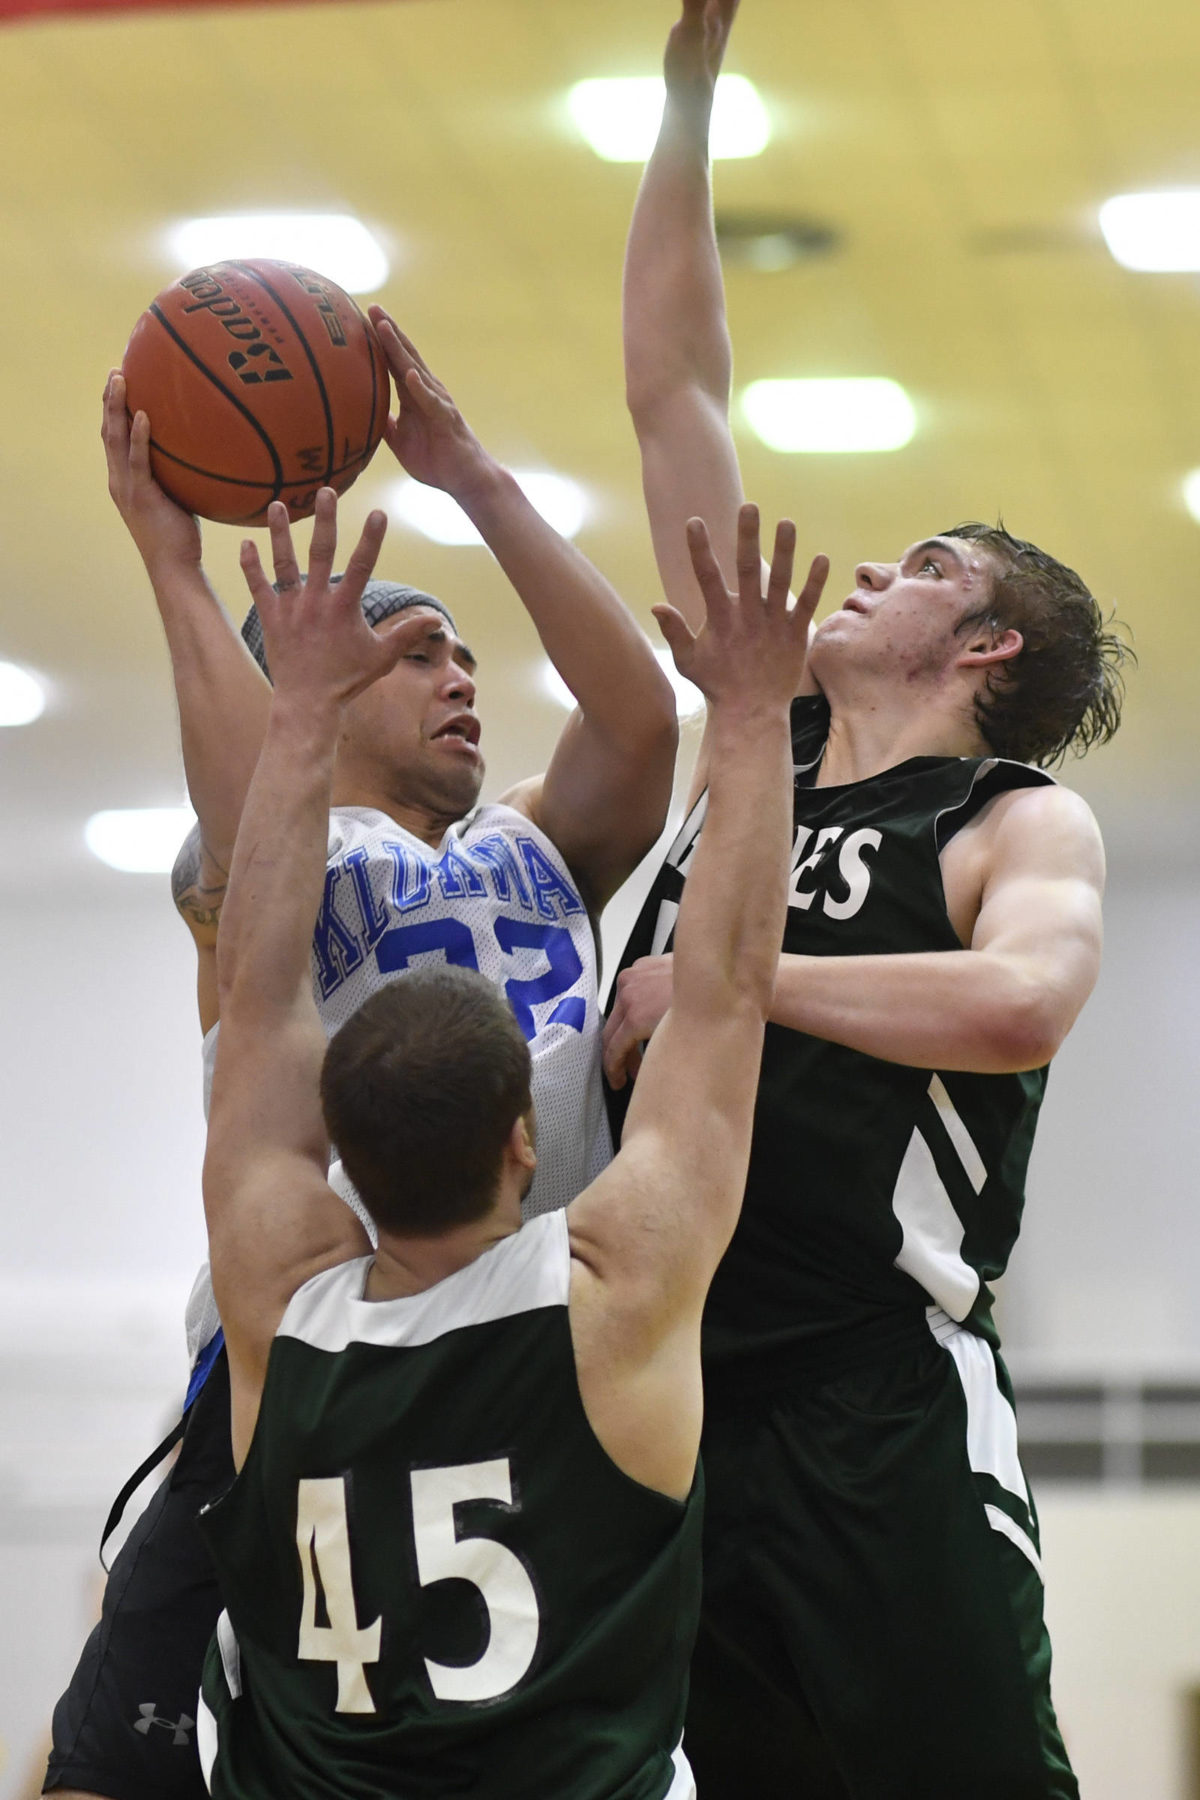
873	1600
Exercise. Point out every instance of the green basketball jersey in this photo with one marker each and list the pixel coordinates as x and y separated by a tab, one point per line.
872	1186
437	1581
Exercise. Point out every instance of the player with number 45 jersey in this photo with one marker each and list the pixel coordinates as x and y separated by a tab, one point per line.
461	1550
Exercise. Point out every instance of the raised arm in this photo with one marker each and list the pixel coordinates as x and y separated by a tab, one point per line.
647	1235
273	1220
222	695
678	359
603	800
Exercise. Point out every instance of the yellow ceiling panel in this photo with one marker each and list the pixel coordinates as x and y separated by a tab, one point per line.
958	151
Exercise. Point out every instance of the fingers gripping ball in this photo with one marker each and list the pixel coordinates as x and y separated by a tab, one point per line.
263	381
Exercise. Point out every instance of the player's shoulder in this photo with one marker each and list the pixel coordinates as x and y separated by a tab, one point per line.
517	814
523	798
1050	823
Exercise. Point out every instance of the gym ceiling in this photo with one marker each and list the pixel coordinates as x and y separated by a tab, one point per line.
942	162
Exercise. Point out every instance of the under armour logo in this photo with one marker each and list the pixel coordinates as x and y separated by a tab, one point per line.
180	1727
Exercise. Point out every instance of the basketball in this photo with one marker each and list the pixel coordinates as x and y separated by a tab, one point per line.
262	381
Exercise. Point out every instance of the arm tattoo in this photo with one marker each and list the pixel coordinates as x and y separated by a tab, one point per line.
198	900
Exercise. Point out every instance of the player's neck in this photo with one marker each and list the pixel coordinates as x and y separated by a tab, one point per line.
428	823
872	732
409	1265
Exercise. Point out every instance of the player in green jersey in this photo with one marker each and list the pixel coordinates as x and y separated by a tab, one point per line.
461	1553
872	1622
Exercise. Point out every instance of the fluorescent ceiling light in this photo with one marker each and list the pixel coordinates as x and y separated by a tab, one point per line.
22	695
620	118
858	413
141	840
688	698
1191	494
1154	231
561	502
334	244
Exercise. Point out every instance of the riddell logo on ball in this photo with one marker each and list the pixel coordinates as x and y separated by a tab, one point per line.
257	362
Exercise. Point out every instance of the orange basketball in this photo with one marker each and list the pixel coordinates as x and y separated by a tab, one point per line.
263	381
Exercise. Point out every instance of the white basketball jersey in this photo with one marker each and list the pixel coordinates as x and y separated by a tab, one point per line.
495	895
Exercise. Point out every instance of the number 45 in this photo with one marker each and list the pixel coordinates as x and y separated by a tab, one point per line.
501	1578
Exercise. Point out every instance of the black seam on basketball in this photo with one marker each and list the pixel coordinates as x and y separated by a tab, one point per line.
234	401
360	461
211	474
282	304
369	333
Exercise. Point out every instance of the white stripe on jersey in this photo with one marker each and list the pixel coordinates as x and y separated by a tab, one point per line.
530	1269
991	1426
933	1232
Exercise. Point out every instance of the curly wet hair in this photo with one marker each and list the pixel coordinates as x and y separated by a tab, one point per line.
1064	690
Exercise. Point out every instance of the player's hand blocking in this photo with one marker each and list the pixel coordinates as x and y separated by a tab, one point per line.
752	647
319	646
696	49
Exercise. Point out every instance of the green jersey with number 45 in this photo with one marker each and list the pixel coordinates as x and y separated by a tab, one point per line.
437	1581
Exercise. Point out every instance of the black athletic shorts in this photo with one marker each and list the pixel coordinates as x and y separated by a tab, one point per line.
872	1618
126	1726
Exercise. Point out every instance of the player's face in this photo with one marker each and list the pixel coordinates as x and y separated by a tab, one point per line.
902	617
419	721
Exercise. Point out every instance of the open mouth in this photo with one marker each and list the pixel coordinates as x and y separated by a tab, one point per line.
464	727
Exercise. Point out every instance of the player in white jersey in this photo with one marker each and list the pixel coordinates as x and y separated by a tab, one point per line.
516	889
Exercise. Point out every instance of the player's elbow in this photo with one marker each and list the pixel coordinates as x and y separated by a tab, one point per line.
663	393
655	726
1029	1028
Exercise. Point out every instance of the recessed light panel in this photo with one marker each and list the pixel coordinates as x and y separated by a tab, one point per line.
1154	231
855	414
620	117
22	695
141	840
1191	493
688	698
334	244
561	502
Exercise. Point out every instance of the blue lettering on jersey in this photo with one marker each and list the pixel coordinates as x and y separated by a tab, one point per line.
548	884
337	951
457	877
374	920
564	971
397	947
410	878
497	854
353	921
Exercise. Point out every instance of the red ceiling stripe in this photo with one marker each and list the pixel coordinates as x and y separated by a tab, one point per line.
11	9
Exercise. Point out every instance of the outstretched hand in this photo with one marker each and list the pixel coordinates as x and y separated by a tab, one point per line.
166	536
318	644
752	646
427	435
696	48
